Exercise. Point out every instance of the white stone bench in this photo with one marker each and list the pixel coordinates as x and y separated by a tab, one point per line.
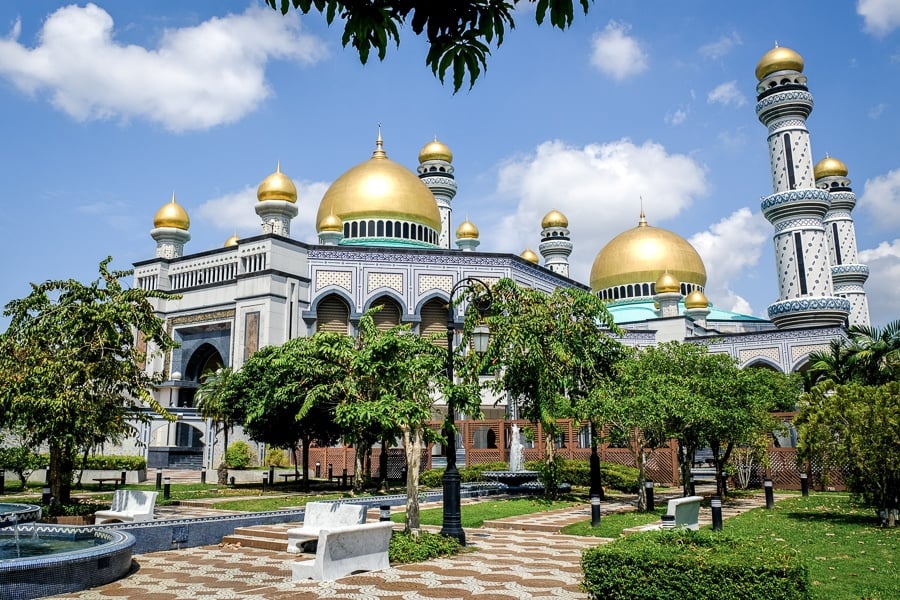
342	551
128	505
686	512
321	515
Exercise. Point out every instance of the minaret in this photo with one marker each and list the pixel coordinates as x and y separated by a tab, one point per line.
467	236
797	207
668	295
555	244
436	172
847	274
277	203
170	230
696	307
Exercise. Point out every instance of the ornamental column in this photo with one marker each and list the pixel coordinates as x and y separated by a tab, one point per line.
797	207
847	275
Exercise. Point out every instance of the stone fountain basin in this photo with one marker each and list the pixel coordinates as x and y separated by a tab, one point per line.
511	478
17	514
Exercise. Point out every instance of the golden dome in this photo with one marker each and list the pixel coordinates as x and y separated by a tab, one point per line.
331	222
554	218
778	59
380	188
830	167
172	214
277	186
467	231
639	255
696	299
232	241
667	284
529	255
435	150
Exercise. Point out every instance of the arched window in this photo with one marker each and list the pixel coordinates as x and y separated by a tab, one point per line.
333	314
380	229
434	320
390	229
406	231
354	229
346	229
389	315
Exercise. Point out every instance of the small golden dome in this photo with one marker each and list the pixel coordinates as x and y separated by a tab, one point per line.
380	189
435	150
640	254
232	241
277	186
696	299
529	255
554	218
778	59
467	231
667	284
830	167
331	222
172	214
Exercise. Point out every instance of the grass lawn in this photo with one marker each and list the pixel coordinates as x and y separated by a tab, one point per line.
611	525
264	504
475	514
848	554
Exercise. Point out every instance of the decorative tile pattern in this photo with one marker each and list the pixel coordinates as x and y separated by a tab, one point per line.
342	279
392	281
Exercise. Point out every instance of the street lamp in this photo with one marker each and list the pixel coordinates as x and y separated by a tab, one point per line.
452	521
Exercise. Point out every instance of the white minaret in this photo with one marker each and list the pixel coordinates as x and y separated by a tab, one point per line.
277	204
555	244
436	172
847	275
797	207
170	230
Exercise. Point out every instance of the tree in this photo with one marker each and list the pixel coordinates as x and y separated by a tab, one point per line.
287	394
548	351
875	353
71	372
459	33
216	402
857	426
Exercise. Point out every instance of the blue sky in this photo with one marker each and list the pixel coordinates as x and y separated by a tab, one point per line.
107	108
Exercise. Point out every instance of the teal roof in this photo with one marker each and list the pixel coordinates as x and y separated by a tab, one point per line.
632	311
385	242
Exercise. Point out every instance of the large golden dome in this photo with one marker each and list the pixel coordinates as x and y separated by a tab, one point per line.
778	59
277	186
830	167
380	189
172	214
641	254
435	150
554	218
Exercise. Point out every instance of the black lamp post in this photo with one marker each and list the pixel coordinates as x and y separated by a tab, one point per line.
452	521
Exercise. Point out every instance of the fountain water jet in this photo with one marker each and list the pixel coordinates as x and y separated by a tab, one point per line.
517	478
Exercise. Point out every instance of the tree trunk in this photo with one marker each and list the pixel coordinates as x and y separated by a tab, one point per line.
551	483
412	443
359	462
685	457
61	468
641	460
717	462
222	471
305	443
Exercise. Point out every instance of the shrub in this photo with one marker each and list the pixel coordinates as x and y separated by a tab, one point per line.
22	461
431	478
238	455
407	548
114	462
694	564
578	472
277	457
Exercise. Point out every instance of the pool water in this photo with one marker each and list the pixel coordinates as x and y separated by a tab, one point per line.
30	547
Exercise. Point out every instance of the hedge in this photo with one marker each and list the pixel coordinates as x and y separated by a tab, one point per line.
694	564
109	462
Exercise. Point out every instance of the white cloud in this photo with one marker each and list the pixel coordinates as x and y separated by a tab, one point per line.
881	288
727	94
729	248
235	212
880	16
721	46
197	78
881	197
616	54
599	187
877	110
676	118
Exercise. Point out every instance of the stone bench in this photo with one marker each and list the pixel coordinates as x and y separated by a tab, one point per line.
323	515
128	505
686	512
342	551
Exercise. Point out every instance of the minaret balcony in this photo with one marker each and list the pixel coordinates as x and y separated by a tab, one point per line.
810	311
806	202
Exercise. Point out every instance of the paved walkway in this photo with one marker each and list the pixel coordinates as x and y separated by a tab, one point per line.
518	557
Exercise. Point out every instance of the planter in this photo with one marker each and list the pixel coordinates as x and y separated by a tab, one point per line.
70	520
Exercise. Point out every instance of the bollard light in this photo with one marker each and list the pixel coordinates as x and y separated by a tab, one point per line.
158	478
45	495
203	476
770	494
344	478
648	493
167	488
2	481
272	474
384	512
232	480
265	482
693	486
595	511
804	485
716	505
318	469
124	476
668	522
330	472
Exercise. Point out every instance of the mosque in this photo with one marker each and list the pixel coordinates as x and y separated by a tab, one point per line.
386	238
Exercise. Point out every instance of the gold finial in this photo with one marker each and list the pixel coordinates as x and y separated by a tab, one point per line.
643	220
379	146
278	167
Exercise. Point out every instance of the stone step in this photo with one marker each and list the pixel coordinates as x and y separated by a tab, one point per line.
262	531
258	542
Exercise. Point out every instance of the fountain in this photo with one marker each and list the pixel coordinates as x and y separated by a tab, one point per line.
43	560
517	478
